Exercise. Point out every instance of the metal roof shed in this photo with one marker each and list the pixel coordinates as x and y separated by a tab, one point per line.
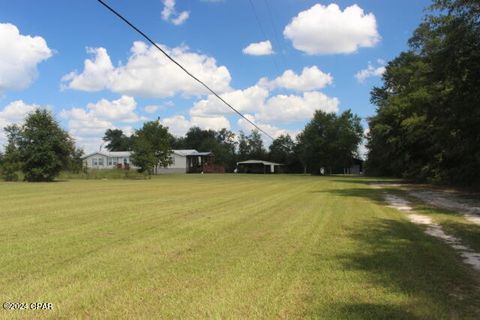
258	166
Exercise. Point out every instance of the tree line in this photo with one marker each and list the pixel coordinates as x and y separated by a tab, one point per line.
41	149
427	121
329	141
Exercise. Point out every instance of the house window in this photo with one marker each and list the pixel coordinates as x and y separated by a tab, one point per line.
115	161
125	160
100	162
109	161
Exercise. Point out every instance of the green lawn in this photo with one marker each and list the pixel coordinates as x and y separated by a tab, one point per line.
224	246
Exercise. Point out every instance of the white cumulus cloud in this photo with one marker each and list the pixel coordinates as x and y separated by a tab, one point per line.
329	30
88	125
14	113
292	108
256	100
151	108
371	71
122	109
272	130
247	100
311	78
178	125
97	74
19	57
262	48
170	14
148	73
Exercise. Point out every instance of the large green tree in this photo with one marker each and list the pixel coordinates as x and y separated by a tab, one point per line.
330	141
44	148
251	146
223	148
283	150
151	147
199	139
427	120
10	164
117	141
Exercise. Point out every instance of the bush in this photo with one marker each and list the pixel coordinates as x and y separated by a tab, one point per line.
97	174
9	172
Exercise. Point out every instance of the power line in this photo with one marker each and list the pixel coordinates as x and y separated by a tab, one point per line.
183	68
263	32
274	27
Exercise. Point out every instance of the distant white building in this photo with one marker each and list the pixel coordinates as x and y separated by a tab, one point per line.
183	161
108	160
187	161
258	166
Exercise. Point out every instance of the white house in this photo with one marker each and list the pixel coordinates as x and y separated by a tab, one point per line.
183	161
187	161
108	160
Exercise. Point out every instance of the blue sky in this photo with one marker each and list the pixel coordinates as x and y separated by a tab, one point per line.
298	56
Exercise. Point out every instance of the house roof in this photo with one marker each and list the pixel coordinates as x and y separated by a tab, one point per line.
182	152
109	154
190	152
265	163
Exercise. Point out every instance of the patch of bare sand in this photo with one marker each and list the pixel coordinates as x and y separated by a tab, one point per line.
433	229
383	185
398	203
449	201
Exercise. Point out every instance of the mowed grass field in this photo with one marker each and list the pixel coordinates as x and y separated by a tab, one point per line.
224	247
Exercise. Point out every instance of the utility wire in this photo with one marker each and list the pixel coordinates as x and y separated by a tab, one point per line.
183	68
275	33
263	33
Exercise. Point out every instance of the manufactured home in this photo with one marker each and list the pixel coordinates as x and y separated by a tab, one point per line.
183	161
108	160
187	161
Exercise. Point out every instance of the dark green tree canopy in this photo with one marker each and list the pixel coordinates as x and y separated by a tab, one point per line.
10	163
281	149
44	149
330	141
284	150
251	146
427	120
117	141
151	147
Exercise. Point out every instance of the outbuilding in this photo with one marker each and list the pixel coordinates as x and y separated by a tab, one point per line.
258	166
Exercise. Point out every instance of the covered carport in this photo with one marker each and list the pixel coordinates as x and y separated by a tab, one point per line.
258	166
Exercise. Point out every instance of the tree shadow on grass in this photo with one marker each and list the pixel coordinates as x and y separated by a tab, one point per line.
369	311
398	257
376	195
370	180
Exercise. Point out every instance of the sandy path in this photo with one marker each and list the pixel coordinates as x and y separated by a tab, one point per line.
433	229
439	199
